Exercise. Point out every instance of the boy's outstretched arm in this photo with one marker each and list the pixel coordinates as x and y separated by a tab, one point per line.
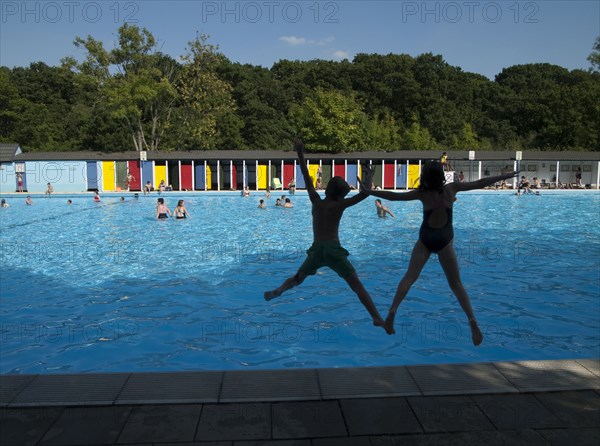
484	182
310	188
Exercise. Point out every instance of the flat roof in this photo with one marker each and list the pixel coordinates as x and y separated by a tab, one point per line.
259	155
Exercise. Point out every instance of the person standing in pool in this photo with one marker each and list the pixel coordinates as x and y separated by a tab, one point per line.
436	236
162	211
181	211
326	249
382	210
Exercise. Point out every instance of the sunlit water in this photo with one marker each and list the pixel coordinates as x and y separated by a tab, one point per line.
105	287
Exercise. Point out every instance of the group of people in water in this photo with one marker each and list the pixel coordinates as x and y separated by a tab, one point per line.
162	211
436	235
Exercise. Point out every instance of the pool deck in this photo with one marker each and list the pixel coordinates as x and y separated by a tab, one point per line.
527	402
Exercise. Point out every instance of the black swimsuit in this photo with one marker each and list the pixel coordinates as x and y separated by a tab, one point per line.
436	239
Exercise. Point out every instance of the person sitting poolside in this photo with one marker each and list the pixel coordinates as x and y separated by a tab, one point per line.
49	189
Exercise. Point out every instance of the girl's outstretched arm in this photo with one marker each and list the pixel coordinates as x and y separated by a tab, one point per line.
484	182
361	195
389	195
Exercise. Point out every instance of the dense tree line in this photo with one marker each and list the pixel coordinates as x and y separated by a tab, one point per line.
134	97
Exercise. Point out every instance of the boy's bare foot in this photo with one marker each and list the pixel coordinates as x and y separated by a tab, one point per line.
272	294
476	334
389	323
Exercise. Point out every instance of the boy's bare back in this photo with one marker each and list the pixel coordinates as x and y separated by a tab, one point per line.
327	212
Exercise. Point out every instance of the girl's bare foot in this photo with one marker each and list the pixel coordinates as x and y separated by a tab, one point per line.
389	323
476	334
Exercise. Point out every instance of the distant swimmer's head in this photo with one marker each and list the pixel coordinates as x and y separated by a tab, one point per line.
161	201
432	176
337	188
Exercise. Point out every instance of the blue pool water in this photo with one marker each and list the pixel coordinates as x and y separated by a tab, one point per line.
105	287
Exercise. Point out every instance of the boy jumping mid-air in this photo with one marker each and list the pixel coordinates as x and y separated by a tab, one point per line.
326	249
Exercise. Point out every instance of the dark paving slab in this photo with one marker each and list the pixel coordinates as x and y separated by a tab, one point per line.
307	419
457	379
517	411
571	437
366	382
237	421
160	424
449	414
71	390
483	438
575	409
21	427
87	425
379	416
11	386
175	388
270	385
533	376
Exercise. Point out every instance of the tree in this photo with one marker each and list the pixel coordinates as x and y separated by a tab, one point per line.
205	98
416	137
466	139
330	122
594	57
140	93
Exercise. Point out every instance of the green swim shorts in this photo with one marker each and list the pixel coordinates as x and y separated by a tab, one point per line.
330	254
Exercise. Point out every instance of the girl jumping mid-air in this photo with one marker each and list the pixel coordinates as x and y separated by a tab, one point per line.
436	235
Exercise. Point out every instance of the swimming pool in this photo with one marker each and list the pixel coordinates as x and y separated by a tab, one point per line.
105	287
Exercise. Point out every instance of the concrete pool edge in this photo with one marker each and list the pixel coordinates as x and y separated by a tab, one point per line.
240	386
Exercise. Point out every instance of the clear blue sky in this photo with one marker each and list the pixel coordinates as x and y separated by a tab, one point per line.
478	36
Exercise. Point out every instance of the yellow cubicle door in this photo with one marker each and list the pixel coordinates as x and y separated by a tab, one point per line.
160	174
414	173
313	172
108	175
262	178
208	177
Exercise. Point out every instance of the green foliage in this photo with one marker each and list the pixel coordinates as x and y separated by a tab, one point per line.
135	97
416	137
330	121
204	96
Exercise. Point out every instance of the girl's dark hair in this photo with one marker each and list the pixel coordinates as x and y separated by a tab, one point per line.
432	176
180	202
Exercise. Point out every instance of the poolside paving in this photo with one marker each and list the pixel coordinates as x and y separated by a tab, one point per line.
527	402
